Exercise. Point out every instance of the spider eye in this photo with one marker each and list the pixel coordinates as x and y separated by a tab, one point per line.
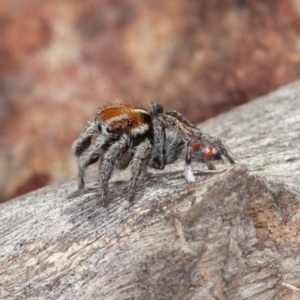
129	123
99	127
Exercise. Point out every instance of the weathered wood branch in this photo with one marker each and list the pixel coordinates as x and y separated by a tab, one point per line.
233	234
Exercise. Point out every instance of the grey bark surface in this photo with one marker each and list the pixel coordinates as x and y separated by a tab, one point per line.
233	234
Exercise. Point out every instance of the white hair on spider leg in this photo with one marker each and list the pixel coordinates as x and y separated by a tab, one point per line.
189	176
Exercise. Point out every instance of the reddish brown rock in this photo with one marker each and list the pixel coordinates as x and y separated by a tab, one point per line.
60	60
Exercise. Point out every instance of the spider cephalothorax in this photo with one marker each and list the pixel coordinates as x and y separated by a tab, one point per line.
123	135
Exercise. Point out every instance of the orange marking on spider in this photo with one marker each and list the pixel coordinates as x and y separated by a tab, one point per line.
196	147
208	151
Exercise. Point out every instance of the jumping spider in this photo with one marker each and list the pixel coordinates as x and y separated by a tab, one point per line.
123	135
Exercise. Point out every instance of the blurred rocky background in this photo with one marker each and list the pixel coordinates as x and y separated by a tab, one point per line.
62	59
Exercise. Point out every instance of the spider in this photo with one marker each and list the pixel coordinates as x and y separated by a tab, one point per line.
122	135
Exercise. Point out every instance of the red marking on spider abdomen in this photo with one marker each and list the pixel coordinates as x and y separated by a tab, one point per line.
196	147
205	151
208	151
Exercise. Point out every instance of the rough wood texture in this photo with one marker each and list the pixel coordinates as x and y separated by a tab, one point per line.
233	234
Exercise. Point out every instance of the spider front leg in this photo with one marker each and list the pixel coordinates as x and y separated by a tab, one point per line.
85	152
114	152
86	159
137	165
84	141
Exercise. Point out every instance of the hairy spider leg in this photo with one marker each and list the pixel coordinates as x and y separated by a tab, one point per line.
158	159
84	139
137	166
106	167
180	118
139	162
81	149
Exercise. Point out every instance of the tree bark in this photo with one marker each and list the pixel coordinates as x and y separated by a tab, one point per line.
233	234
